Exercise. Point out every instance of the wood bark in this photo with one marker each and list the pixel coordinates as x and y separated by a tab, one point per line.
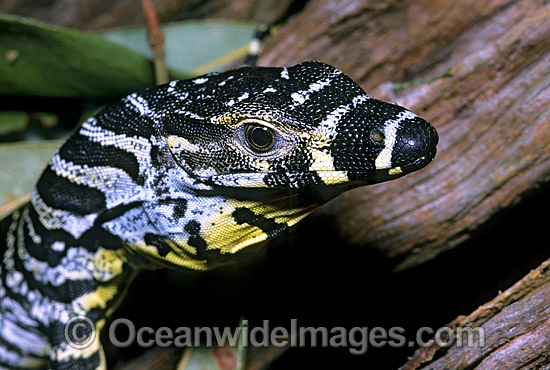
491	109
100	14
515	332
486	68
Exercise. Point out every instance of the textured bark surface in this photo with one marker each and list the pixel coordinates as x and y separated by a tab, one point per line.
516	331
492	110
491	106
99	14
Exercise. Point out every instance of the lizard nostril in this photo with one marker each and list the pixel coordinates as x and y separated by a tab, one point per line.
377	136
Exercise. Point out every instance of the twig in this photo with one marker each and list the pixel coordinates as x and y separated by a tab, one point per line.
156	40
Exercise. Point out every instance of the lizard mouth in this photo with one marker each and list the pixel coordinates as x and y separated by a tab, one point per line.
420	162
335	180
399	170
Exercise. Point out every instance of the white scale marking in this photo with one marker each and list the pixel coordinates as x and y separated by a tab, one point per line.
139	103
171	87
239	99
13	309
383	161
301	96
248	180
328	126
37	239
8	356
184	95
284	74
140	147
76	265
130	226
58	246
22	338
37	307
57	219
188	114
200	81
117	186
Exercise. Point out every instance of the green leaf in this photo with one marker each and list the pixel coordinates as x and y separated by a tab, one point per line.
193	47
21	165
41	60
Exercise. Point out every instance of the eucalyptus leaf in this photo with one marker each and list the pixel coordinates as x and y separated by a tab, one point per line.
21	165
193	47
42	60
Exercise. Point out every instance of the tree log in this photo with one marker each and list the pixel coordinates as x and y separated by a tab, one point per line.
491	108
485	67
515	331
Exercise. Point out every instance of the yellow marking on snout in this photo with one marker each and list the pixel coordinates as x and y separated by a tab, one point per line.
395	171
323	165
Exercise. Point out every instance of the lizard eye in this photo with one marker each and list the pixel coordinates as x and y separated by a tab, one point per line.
259	138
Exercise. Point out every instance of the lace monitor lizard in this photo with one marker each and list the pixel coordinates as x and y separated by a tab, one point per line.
186	175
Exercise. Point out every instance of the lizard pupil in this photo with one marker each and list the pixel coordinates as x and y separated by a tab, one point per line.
260	138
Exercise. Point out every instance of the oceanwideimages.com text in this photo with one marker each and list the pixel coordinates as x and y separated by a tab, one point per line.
80	332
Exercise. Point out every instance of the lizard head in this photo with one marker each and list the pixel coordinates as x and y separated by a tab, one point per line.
307	126
261	148
209	166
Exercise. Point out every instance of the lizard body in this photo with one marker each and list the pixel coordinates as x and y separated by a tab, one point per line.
186	175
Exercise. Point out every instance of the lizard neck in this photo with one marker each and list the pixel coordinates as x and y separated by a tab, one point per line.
65	276
48	277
